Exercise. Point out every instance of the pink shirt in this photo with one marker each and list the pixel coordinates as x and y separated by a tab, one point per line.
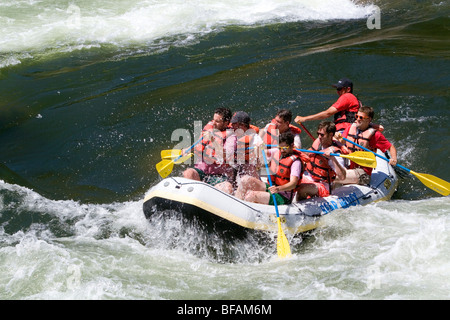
296	169
224	168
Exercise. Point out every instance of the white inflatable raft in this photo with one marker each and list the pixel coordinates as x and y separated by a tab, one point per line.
199	200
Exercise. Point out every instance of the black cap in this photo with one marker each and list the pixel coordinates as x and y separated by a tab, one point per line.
343	83
240	117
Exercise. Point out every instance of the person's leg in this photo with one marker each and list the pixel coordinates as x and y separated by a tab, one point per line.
225	186
192	174
258	197
306	190
248	183
265	197
355	176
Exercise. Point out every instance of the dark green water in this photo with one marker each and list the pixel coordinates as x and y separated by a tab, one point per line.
88	124
84	115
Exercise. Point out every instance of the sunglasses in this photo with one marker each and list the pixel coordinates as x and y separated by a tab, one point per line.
358	117
321	134
283	148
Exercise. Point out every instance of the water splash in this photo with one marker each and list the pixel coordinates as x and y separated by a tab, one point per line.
43	27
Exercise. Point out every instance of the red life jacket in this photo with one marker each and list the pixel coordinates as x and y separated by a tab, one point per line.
205	150
271	135
254	128
245	152
282	168
319	167
362	138
251	127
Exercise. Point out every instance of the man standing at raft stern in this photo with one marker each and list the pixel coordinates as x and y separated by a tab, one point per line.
363	133
344	109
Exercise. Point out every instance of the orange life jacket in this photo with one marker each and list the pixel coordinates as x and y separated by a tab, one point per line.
362	138
205	149
250	125
245	152
319	167
282	168
271	135
254	128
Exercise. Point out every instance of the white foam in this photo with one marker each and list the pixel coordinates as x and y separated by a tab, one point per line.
29	26
393	250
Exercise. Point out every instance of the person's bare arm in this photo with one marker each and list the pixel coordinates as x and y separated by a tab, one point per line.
318	116
393	152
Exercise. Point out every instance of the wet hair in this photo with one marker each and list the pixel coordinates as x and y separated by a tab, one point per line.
285	114
329	127
287	137
225	113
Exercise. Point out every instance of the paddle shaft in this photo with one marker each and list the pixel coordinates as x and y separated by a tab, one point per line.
165	167
304	150
333	154
319	152
376	154
357	157
313	151
432	182
270	183
283	248
306	130
189	149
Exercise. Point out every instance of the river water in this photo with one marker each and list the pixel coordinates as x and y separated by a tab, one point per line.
91	92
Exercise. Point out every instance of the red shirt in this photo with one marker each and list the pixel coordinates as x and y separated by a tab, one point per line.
346	102
379	141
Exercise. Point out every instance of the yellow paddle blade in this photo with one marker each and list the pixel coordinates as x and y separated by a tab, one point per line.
164	168
170	154
434	183
283	249
363	158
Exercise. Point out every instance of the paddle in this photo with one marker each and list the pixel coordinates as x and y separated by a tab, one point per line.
170	154
365	159
306	130
432	182
165	166
283	248
180	160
